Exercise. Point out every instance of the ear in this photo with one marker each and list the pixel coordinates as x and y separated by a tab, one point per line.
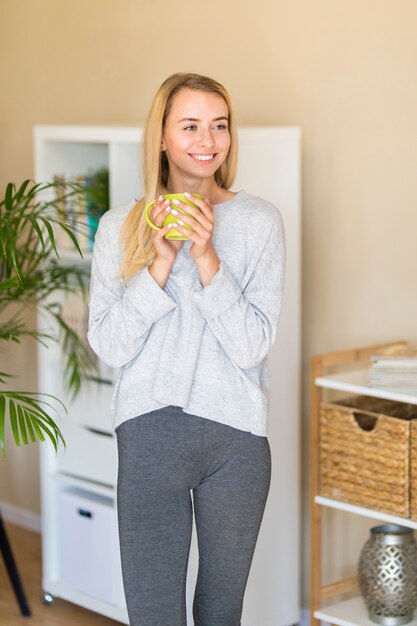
163	147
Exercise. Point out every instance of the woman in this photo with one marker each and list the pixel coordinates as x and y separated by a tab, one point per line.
190	324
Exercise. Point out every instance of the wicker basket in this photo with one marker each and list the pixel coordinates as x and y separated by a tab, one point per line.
365	452
413	498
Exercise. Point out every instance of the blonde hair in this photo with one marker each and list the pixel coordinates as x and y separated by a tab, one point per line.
136	236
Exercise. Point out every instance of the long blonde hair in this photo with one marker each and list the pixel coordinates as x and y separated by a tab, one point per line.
135	235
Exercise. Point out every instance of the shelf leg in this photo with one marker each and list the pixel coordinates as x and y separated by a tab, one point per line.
315	509
12	571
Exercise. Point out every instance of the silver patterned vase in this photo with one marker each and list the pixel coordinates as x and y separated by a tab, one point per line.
387	574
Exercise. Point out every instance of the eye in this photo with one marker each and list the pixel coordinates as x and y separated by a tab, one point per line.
191	127
221	126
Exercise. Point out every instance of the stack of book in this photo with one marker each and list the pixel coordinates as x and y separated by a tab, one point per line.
395	368
81	201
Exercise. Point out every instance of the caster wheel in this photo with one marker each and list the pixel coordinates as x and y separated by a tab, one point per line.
48	598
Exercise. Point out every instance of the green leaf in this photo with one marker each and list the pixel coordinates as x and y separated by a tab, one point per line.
11	248
50	434
22	190
13	421
5	375
38	430
2	420
51	235
3	241
22	424
39	232
73	239
29	426
27	397
8	198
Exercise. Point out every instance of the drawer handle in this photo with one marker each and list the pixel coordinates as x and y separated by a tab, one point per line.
364	421
85	513
96	431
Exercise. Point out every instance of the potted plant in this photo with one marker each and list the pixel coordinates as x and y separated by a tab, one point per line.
31	275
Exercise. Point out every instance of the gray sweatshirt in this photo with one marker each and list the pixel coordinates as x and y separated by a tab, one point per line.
202	349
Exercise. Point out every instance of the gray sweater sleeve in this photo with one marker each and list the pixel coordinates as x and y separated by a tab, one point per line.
120	318
245	321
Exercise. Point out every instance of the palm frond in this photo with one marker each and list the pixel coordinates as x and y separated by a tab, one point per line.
28	417
78	361
14	328
31	217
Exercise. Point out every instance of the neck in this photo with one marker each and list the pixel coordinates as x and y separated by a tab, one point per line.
206	187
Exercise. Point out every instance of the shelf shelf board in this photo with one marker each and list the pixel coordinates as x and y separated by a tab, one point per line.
88	134
348	613
357	382
358	510
88	485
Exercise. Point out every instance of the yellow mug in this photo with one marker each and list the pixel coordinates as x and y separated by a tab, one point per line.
173	233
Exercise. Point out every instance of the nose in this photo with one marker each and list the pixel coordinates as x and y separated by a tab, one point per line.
206	138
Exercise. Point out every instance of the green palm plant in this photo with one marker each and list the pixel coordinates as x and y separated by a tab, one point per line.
31	275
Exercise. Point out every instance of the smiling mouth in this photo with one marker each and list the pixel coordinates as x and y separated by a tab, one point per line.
203	158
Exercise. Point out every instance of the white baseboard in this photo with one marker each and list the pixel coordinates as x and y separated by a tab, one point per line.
20	517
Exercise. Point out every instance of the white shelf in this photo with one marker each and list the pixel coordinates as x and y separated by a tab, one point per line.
349	613
358	510
357	382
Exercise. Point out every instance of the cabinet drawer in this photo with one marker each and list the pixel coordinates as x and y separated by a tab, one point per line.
364	446
89	556
90	454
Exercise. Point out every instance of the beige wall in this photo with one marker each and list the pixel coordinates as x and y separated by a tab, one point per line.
343	70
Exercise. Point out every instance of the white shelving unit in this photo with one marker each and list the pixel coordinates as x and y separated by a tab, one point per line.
350	612
269	167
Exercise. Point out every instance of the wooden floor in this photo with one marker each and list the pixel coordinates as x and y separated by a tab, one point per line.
26	547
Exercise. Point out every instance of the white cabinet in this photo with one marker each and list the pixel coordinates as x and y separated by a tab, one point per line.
88	521
269	167
344	371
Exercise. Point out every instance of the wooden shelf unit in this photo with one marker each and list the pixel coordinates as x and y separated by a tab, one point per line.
350	612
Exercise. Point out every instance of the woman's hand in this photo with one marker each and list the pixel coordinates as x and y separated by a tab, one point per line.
201	221
166	249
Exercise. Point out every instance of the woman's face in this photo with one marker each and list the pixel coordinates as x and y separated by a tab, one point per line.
196	136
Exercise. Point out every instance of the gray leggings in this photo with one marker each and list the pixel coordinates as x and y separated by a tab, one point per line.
162	455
